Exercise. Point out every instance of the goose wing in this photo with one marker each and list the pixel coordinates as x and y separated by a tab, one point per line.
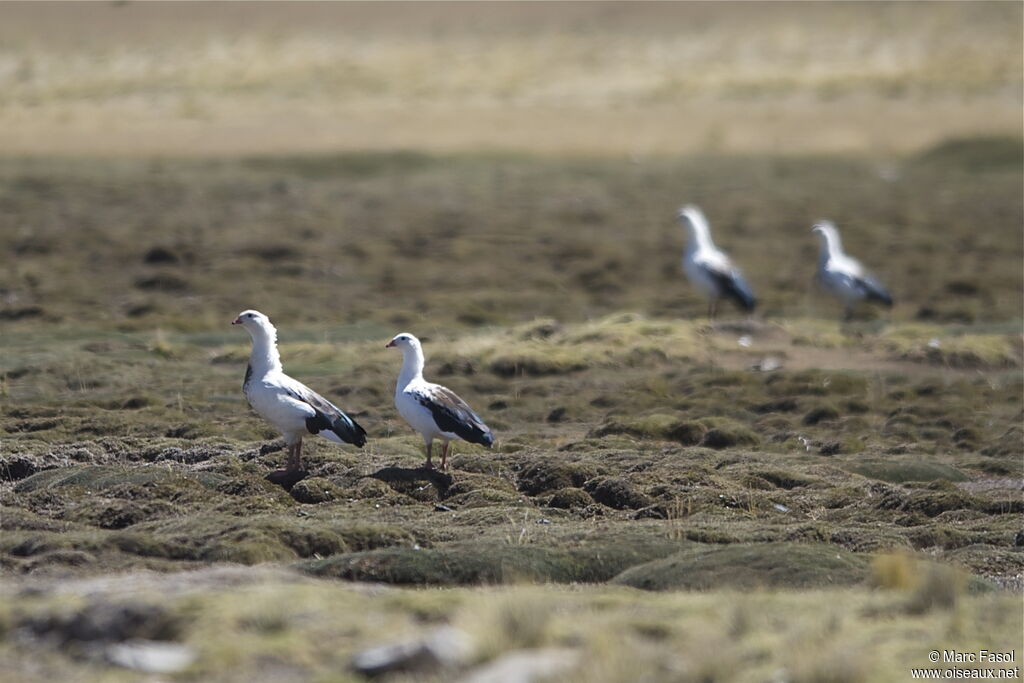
452	414
328	419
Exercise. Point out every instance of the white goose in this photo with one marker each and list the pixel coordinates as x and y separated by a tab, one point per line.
290	406
434	411
843	275
707	266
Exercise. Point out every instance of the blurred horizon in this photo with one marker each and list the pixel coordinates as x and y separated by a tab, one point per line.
588	79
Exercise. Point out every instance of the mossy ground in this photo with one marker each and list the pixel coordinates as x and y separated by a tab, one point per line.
624	485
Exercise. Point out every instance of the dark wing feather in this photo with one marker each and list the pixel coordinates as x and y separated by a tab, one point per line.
733	286
328	416
873	290
452	415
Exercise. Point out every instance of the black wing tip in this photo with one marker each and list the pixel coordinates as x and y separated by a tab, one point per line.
476	435
745	300
733	286
353	433
344	427
876	292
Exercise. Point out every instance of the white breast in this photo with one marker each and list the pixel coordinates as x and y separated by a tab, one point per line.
416	414
271	401
696	266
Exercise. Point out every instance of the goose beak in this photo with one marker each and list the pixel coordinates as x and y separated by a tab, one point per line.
236	321
389	344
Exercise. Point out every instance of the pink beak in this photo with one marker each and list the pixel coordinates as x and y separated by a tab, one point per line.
236	321
389	344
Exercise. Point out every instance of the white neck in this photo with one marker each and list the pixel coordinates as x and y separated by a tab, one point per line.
831	246
412	367
699	235
264	357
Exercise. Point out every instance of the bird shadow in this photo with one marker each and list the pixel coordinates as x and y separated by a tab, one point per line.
395	477
286	479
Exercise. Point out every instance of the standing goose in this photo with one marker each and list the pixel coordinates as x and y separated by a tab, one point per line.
434	411
288	405
843	275
707	266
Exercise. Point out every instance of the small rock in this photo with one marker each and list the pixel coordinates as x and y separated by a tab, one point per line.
151	656
780	507
768	364
442	508
524	666
745	341
445	648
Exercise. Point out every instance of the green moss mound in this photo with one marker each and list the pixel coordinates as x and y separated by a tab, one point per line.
489	563
903	472
822	413
536	363
315	490
656	426
726	434
569	498
975	153
750	565
104	477
545	475
617	493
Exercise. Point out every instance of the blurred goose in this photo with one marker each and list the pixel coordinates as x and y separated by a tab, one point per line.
708	268
288	405
434	411
843	275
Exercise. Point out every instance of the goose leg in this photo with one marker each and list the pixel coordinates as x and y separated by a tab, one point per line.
297	464
444	455
430	451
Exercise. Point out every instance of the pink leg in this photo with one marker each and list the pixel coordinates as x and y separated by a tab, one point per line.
430	451
444	456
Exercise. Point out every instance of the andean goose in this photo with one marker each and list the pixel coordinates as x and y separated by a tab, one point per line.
289	405
707	266
843	275
434	411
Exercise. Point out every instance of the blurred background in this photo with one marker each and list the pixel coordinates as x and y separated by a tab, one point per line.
485	163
